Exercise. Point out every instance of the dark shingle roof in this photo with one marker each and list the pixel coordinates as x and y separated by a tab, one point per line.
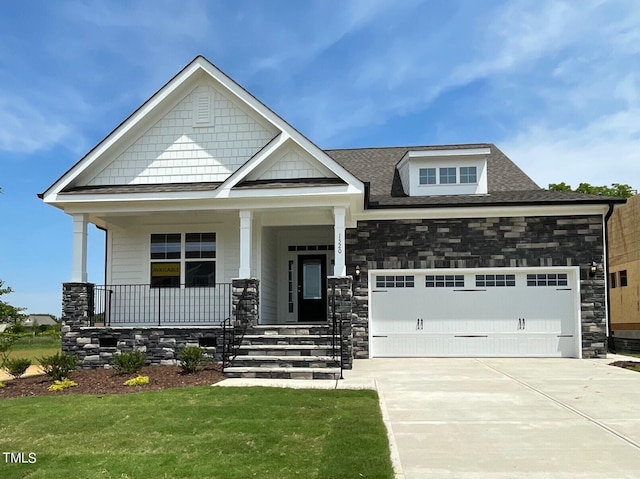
148	188
377	166
507	183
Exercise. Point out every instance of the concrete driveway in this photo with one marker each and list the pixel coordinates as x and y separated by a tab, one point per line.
508	418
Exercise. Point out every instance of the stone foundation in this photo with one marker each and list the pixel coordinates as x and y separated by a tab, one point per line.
95	346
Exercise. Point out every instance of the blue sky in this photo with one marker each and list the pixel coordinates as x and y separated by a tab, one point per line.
556	85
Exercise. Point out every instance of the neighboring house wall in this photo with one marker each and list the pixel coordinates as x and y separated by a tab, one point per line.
624	256
173	150
482	243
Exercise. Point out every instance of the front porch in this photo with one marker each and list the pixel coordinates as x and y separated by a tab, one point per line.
172	269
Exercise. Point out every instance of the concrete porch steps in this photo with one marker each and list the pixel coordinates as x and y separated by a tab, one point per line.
286	352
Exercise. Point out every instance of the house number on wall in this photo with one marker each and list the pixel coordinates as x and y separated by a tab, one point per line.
339	242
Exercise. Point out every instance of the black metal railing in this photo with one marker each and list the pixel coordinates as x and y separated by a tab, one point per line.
336	336
140	304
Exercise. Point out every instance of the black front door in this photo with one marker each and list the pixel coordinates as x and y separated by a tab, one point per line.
312	288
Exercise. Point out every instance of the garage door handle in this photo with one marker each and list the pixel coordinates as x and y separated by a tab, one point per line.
565	335
471	336
378	336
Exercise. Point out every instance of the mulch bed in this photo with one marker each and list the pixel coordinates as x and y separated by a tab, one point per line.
633	365
107	381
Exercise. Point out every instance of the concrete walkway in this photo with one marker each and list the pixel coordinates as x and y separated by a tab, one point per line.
31	371
508	418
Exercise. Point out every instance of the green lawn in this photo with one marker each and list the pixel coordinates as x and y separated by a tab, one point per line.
198	432
34	347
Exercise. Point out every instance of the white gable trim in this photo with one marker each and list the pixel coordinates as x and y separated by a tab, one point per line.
200	64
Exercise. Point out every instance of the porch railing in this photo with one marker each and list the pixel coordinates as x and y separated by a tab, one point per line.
140	304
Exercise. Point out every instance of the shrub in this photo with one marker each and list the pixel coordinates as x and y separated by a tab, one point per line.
129	362
17	328
1	385
17	366
58	366
192	359
62	384
137	381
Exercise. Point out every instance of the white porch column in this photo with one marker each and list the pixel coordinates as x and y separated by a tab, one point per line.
79	261
246	217
340	268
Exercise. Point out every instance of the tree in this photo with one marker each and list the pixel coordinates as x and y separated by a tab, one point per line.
8	313
616	189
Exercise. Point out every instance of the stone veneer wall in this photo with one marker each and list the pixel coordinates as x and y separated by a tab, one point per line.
482	243
344	314
96	346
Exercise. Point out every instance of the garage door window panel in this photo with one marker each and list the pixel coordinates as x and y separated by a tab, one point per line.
495	280
550	279
395	281
444	281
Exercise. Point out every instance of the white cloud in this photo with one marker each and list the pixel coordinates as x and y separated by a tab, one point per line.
604	152
25	129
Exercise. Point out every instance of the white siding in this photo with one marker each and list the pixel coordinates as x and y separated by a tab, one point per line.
292	163
268	277
129	256
128	251
174	150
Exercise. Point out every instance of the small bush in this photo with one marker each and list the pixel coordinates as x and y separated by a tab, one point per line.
137	381
1	385
17	328
192	359
58	366
129	362
17	366
62	384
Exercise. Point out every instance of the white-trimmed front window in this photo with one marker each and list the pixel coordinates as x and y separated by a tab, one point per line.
183	259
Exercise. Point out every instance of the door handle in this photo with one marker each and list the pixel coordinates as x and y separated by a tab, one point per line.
421	323
519	324
524	326
417	323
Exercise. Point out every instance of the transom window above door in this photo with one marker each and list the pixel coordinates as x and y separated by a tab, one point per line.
183	259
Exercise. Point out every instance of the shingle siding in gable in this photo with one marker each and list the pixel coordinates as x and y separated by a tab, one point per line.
174	151
482	243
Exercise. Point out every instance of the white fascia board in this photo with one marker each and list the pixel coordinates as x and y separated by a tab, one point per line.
444	153
481	212
187	205
293	192
122	130
269	149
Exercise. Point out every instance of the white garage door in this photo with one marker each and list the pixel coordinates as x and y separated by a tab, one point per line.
474	313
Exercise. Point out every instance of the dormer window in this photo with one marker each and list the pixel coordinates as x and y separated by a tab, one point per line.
448	176
456	171
468	174
427	176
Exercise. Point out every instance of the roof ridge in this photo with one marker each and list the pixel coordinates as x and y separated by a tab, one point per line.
411	146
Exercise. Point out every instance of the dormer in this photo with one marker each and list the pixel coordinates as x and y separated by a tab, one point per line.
444	172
